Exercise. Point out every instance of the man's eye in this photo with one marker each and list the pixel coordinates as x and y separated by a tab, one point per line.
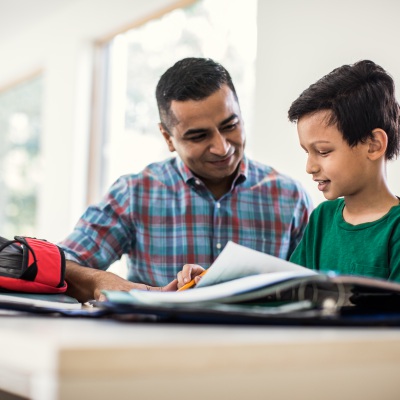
323	153
229	127
197	138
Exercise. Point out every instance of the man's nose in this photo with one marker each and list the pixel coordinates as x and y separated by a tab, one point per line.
219	145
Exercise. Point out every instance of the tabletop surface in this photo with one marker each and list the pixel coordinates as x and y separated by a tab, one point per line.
43	356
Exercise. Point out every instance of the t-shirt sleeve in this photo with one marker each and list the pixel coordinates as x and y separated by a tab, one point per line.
299	255
395	256
301	217
304	251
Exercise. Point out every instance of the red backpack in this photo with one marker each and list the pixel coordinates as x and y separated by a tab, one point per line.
31	265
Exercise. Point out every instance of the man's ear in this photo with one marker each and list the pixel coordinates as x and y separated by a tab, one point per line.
167	137
377	144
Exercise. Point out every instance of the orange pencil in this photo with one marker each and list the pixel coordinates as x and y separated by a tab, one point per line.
192	282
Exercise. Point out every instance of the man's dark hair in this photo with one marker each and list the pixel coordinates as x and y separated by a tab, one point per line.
361	98
189	79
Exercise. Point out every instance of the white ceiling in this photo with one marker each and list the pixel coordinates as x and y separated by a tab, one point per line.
17	15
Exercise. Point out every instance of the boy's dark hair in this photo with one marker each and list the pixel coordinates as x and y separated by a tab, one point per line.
189	79
361	98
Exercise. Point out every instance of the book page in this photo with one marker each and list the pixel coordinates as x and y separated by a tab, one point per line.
221	292
237	261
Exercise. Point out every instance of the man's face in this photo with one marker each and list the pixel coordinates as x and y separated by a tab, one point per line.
208	136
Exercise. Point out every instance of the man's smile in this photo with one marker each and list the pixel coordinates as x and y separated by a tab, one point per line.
223	161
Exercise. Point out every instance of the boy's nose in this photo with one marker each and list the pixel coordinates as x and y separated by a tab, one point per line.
311	166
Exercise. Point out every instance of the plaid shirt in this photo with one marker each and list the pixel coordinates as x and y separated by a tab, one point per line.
164	217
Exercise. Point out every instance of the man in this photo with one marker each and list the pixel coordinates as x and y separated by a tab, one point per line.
184	210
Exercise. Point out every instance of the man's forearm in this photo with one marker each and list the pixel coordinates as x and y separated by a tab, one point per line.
81	281
86	283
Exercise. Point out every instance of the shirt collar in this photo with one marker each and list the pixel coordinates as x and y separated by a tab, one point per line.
188	175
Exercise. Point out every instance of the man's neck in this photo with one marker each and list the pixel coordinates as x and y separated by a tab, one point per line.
219	189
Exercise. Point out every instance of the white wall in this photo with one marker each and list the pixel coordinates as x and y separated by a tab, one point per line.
299	42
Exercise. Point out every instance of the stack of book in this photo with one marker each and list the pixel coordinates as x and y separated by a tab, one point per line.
247	286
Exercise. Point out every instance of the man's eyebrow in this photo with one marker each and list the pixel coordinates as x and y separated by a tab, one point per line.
195	131
229	119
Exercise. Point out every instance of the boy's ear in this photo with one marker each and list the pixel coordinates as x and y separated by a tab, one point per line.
167	137
377	144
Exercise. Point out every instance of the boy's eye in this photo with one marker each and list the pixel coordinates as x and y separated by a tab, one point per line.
323	152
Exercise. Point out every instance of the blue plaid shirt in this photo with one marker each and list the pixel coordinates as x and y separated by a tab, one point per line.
165	217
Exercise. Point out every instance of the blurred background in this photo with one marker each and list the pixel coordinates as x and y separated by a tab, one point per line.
77	82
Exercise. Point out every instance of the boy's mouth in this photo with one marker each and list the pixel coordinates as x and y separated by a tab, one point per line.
322	184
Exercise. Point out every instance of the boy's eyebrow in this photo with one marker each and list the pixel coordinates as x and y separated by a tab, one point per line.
314	143
320	141
194	131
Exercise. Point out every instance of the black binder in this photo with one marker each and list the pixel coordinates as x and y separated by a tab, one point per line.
316	300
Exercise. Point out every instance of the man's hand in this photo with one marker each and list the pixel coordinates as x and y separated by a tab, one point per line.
189	272
110	281
87	284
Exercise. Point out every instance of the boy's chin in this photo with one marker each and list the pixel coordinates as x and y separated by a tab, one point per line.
329	196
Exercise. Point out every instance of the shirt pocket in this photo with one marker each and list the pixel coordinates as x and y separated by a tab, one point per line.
372	271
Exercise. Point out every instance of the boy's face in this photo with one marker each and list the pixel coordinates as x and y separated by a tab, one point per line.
209	136
339	170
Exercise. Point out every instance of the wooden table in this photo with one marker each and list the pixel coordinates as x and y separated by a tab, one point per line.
44	358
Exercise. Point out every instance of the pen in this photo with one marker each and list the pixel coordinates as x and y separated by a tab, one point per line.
192	282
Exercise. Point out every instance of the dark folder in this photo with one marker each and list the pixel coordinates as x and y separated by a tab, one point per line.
316	300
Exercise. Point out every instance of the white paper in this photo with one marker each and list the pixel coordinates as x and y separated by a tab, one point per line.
217	292
236	261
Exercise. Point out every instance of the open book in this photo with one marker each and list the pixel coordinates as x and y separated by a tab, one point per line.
242	276
236	261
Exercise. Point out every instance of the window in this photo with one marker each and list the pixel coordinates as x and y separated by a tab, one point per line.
128	138
224	30
20	127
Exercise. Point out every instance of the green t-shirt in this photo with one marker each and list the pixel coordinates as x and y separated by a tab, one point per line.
331	244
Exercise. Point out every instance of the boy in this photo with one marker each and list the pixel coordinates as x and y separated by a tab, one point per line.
348	124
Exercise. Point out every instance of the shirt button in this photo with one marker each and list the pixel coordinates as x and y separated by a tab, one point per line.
219	245
218	205
197	182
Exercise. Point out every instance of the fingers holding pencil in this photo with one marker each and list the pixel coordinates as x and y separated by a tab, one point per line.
188	273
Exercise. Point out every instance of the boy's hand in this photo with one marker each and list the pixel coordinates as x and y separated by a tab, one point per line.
189	272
